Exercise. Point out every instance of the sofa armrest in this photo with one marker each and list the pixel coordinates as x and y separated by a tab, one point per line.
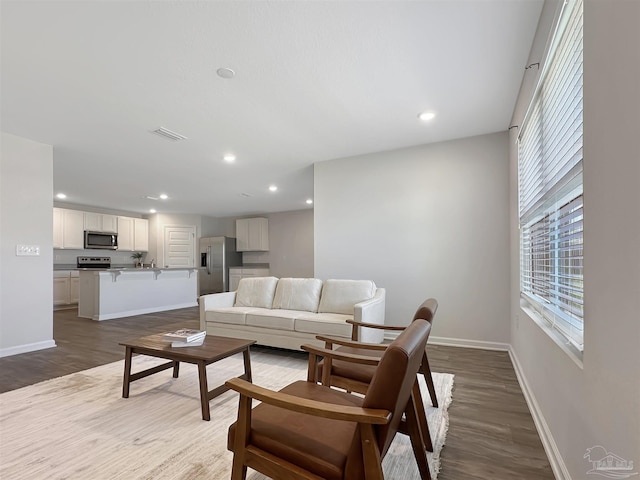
371	311
214	300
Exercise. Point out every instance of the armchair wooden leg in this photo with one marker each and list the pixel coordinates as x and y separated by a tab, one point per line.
421	417
416	441
243	427
426	371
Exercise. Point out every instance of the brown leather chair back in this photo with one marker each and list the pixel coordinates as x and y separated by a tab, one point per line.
395	376
427	310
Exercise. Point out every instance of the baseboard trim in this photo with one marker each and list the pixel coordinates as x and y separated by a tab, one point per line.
465	343
140	311
558	466
29	347
458	342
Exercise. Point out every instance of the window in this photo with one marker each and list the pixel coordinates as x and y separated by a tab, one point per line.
550	185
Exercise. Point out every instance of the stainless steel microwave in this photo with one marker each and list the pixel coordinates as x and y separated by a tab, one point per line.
102	240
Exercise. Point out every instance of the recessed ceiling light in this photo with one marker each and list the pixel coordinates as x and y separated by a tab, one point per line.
153	210
225	72
164	196
426	116
309	201
229	158
273	188
61	195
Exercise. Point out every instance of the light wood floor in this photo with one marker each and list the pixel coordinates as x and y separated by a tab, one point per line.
491	432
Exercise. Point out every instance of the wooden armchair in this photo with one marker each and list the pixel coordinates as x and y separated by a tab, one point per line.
338	369
426	311
310	431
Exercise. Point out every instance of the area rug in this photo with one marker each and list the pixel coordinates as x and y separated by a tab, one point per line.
80	427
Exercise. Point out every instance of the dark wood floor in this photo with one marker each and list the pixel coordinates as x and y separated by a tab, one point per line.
491	432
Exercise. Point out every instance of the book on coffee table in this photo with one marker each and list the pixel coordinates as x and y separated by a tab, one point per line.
193	343
184	335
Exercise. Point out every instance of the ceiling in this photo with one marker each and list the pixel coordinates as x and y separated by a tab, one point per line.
314	81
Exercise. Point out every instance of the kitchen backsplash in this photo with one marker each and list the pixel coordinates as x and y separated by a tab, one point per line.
68	257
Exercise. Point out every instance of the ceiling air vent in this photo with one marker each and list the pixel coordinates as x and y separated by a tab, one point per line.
168	134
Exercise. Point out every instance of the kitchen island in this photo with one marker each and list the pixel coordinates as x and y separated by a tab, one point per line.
124	292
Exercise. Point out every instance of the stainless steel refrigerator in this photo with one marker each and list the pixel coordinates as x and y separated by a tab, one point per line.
217	254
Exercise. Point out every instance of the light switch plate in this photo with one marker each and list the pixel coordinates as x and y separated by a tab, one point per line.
28	250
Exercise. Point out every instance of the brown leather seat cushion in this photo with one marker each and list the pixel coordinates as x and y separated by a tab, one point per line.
316	444
362	373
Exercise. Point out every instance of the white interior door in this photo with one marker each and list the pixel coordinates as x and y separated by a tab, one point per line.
179	246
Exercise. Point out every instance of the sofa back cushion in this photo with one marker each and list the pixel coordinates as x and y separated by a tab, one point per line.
298	294
339	296
256	292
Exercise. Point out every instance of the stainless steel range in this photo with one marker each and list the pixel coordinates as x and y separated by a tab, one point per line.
93	262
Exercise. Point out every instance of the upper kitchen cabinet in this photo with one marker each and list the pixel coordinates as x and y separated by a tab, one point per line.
141	234
99	222
68	228
125	234
133	234
252	235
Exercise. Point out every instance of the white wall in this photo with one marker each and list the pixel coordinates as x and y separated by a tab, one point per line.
427	221
597	402
219	227
26	283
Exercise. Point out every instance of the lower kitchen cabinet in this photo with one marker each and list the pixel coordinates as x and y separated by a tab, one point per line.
66	289
238	273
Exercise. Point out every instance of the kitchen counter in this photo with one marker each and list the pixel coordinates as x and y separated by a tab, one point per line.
145	269
123	292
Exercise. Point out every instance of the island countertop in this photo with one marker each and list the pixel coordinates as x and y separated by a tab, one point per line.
134	269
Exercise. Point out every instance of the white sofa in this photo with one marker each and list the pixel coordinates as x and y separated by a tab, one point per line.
290	312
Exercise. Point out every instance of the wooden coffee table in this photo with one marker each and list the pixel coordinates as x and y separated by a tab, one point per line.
212	350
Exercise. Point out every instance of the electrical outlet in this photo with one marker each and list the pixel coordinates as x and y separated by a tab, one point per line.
28	250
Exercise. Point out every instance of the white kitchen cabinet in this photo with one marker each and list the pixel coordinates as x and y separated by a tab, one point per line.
238	273
65	287
61	290
68	228
100	222
133	234
58	220
252	234
125	234
234	280
141	234
74	287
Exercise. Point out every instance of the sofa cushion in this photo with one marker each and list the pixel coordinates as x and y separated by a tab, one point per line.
256	292
272	319
339	296
231	315
298	294
333	324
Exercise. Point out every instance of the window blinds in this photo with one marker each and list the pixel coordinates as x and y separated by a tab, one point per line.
550	185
